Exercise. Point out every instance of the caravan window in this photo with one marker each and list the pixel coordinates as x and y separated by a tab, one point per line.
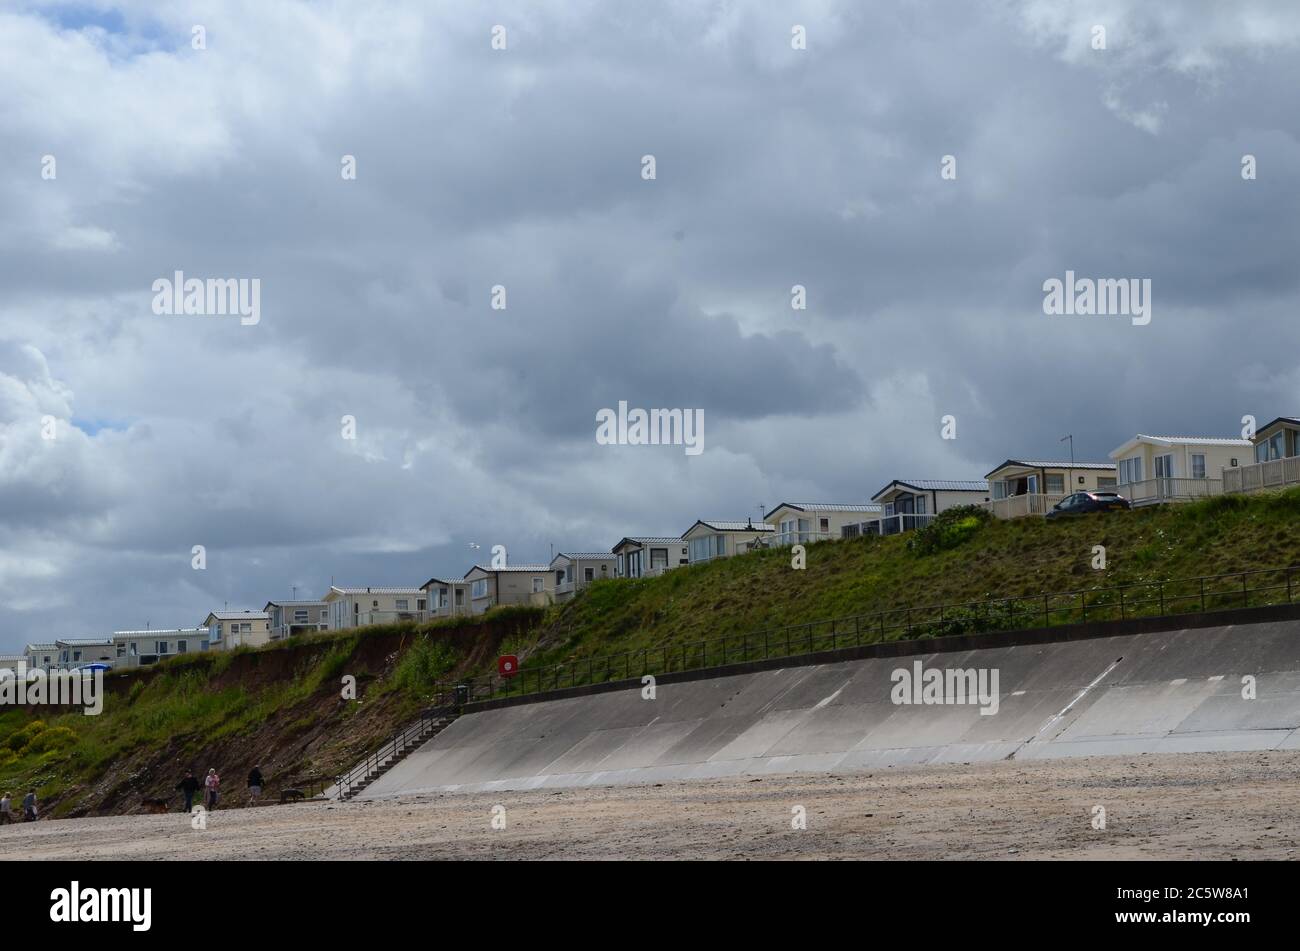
1130	470
1271	448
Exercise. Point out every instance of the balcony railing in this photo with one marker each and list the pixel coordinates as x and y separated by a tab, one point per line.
285	631
895	524
1149	491
1020	506
1274	474
448	610
568	588
654	572
785	539
366	618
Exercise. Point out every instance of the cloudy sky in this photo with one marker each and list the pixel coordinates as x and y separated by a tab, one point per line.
522	167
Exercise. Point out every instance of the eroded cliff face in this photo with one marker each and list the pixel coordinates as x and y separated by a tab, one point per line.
282	709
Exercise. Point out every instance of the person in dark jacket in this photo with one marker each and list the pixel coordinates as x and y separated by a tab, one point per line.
29	807
255	784
189	786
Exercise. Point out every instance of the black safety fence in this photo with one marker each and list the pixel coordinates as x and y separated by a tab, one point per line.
1222	592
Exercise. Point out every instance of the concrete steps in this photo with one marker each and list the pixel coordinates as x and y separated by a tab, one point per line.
408	744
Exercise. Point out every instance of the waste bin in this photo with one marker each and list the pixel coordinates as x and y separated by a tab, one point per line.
462	694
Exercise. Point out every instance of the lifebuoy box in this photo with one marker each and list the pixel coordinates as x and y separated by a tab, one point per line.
507	665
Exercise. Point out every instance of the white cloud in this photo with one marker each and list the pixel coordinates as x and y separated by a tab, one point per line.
85	238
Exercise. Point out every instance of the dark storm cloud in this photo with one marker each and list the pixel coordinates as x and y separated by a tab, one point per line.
476	426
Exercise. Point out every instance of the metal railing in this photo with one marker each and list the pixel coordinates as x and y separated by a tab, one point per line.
413	735
1274	474
1244	589
312	786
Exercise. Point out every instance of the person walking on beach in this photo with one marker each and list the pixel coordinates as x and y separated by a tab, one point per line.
29	806
255	784
212	782
6	810
189	786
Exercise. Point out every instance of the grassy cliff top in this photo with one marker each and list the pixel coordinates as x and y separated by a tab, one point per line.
972	559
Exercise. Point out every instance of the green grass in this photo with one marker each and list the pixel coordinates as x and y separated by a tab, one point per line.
964	558
423	666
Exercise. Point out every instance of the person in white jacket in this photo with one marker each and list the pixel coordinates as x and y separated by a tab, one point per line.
212	783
